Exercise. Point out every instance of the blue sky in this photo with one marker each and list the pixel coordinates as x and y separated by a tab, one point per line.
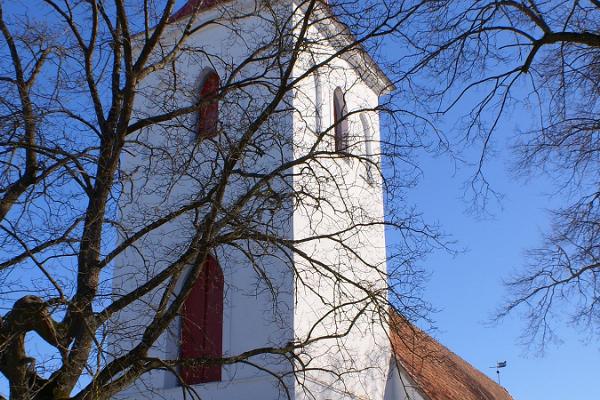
468	288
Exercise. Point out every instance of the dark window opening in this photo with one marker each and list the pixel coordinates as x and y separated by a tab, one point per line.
340	121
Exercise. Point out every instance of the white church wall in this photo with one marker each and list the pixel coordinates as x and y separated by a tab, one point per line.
348	197
250	318
400	386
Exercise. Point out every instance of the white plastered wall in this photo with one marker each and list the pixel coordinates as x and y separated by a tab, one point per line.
327	304
400	386
251	319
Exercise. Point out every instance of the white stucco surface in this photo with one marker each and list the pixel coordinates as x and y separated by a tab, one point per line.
301	309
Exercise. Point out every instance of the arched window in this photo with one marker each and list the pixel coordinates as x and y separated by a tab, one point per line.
340	121
202	325
208	114
368	135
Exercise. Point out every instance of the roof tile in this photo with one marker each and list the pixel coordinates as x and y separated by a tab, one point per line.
192	5
440	374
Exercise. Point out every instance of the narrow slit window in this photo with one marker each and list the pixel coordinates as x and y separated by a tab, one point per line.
340	121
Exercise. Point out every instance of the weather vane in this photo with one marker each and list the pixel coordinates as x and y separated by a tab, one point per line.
499	364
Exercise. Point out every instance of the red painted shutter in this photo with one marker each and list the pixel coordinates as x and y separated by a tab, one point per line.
208	115
202	325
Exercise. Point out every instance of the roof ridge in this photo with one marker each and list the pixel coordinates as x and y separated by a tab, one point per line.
192	6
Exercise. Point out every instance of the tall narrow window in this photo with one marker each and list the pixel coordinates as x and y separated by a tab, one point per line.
202	325
208	114
340	121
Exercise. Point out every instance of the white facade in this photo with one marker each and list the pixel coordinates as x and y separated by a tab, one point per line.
294	303
400	386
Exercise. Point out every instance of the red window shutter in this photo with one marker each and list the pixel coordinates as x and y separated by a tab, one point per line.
202	325
208	114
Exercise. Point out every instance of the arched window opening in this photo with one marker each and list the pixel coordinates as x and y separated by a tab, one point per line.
208	114
202	325
340	121
368	135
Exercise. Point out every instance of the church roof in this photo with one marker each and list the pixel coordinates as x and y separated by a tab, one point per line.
190	5
439	373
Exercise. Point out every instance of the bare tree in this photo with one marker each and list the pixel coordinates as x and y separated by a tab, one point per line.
543	55
99	133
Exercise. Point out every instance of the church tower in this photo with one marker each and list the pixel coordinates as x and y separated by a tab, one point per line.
295	304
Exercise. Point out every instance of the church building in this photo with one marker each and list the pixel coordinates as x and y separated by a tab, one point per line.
272	296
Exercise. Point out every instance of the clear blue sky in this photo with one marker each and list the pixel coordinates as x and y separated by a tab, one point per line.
468	288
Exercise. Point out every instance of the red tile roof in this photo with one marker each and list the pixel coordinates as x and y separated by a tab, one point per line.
189	7
439	373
